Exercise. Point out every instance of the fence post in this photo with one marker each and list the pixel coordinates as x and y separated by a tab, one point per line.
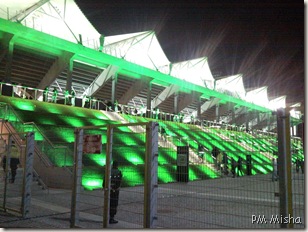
28	174
150	179
77	175
284	166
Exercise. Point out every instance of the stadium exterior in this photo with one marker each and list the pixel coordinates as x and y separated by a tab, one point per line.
49	46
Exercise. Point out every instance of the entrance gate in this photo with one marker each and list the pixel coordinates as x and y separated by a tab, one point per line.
135	147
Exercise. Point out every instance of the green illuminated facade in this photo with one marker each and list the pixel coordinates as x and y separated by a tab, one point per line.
59	123
74	66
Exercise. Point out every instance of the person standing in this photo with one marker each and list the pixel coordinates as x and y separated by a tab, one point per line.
201	152
248	165
54	95
233	167
115	179
73	95
297	164
225	163
239	166
219	161
45	94
164	133
275	170
14	162
214	154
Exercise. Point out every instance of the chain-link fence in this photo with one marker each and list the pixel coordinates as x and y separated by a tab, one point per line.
16	151
208	177
134	148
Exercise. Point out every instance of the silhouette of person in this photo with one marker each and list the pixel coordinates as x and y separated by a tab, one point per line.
14	161
233	167
275	170
54	95
239	166
115	180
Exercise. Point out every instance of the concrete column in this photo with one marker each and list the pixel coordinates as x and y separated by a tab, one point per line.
217	113
69	78
113	88
8	67
149	100
199	109
176	101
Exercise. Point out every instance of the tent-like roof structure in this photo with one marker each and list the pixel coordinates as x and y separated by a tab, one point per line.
196	71
140	48
75	55
258	96
233	84
277	103
59	18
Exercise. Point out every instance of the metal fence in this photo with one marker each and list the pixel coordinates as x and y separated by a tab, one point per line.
134	146
15	187
195	189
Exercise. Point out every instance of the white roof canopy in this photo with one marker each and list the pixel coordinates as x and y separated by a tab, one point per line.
277	103
258	96
140	48
233	84
60	18
196	71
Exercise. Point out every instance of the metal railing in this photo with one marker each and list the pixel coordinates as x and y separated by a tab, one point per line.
46	150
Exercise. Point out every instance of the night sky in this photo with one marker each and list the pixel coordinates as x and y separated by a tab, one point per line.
262	39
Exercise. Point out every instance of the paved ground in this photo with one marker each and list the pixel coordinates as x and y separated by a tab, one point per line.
245	202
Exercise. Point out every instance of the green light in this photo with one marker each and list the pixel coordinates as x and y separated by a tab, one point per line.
192	175
79	113
66	134
207	171
261	169
100	115
98	158
126	139
44	43
135	160
132	176
52	108
75	122
91	183
48	120
165	174
162	160
23	105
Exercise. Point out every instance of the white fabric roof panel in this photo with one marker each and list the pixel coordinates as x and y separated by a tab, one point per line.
233	84
140	48
258	96
277	103
60	18
11	8
196	71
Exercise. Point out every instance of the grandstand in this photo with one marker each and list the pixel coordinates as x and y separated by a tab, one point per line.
121	79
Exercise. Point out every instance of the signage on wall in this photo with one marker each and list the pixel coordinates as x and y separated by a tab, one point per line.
92	144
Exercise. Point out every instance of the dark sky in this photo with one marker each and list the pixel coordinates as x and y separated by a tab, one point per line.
262	39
